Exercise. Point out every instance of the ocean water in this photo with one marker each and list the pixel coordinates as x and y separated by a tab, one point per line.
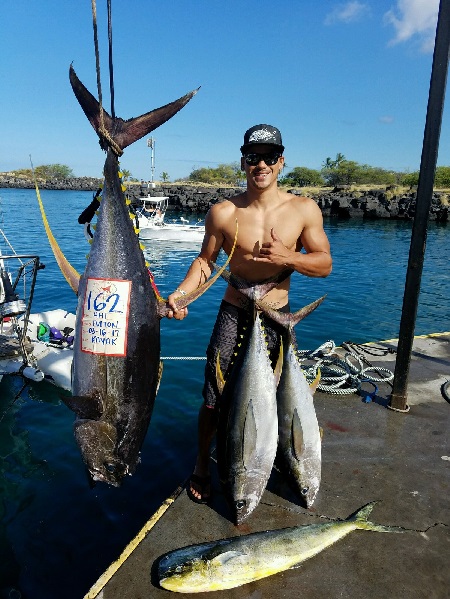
57	535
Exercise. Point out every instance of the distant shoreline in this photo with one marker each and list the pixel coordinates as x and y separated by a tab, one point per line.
343	202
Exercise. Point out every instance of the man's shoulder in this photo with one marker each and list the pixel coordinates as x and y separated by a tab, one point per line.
227	205
301	202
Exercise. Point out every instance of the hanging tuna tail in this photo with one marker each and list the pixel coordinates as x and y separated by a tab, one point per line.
115	132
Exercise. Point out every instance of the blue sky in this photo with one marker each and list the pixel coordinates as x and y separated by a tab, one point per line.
350	77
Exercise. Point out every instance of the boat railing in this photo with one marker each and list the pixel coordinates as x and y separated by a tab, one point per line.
153	209
18	274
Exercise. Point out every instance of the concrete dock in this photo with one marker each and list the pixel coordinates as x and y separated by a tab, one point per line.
369	453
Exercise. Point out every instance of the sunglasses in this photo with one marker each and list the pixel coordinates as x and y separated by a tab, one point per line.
270	159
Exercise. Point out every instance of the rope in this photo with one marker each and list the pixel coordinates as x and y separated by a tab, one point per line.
338	376
111	76
102	131
342	376
183	358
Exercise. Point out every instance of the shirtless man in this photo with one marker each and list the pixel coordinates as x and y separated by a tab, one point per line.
274	227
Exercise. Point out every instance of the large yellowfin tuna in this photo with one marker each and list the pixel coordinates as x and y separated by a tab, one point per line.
116	362
232	562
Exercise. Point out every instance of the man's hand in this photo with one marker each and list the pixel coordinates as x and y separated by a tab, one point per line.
174	312
274	251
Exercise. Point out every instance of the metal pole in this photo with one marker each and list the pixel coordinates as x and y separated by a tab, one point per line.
398	399
151	145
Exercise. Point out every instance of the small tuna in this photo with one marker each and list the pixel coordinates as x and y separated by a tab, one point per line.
247	433
299	440
247	430
236	561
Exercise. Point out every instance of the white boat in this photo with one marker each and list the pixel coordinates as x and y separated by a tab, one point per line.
37	346
53	355
152	225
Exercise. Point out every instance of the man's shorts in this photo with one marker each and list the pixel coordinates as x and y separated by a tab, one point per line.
232	327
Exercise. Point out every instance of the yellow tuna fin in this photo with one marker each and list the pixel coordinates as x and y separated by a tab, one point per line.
279	365
160	371
313	386
219	375
70	274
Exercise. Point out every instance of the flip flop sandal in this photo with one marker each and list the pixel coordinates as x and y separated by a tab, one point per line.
203	482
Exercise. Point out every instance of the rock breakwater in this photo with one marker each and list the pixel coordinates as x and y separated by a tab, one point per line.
341	202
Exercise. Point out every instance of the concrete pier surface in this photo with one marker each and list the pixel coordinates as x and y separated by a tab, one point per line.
369	453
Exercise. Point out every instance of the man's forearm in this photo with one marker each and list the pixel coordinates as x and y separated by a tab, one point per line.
313	264
198	273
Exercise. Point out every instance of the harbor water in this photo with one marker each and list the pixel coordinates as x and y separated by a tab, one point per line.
57	534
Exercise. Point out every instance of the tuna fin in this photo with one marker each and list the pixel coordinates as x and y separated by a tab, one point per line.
85	407
187	299
124	133
279	365
289	320
160	371
251	289
313	386
70	274
219	375
297	436
360	520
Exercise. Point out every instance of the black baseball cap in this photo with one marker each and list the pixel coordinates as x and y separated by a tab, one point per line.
262	134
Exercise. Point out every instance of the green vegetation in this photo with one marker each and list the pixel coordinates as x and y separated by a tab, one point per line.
337	171
228	174
441	178
341	171
126	175
47	171
300	176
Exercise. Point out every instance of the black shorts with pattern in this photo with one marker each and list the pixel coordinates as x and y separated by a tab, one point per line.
231	328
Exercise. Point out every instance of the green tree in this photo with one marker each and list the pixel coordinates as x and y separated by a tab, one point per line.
300	176
342	172
125	174
333	164
47	171
165	177
229	174
410	179
442	176
53	171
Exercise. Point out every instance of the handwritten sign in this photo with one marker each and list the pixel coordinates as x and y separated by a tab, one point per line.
104	325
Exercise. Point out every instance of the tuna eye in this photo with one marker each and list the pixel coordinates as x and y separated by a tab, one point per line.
304	490
240	504
110	467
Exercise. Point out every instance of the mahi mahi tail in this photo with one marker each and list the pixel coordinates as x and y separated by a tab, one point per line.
361	521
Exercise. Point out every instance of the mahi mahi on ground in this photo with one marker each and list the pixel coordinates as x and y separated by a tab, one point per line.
116	362
229	563
299	439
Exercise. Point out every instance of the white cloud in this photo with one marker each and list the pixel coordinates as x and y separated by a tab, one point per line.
414	18
347	13
386	119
